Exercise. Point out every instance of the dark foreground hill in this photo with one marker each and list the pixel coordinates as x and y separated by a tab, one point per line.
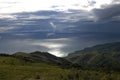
44	57
105	56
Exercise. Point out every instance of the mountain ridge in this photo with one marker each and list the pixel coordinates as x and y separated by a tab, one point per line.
44	57
105	56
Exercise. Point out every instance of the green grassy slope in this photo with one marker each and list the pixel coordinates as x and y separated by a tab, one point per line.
12	68
106	56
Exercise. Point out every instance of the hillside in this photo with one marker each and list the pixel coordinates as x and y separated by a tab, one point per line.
106	56
13	68
44	57
44	66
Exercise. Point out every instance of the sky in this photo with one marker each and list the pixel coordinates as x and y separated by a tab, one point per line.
59	27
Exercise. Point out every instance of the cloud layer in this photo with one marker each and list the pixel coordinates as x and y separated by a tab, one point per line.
108	12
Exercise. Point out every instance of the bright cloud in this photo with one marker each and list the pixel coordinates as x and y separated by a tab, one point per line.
11	6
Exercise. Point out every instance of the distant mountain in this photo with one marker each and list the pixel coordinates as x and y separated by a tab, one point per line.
105	56
38	57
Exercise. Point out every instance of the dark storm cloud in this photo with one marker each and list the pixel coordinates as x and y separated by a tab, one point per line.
114	1
36	25
29	21
92	3
48	13
40	21
107	12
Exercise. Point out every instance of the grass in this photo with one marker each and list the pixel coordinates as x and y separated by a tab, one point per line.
13	72
15	69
